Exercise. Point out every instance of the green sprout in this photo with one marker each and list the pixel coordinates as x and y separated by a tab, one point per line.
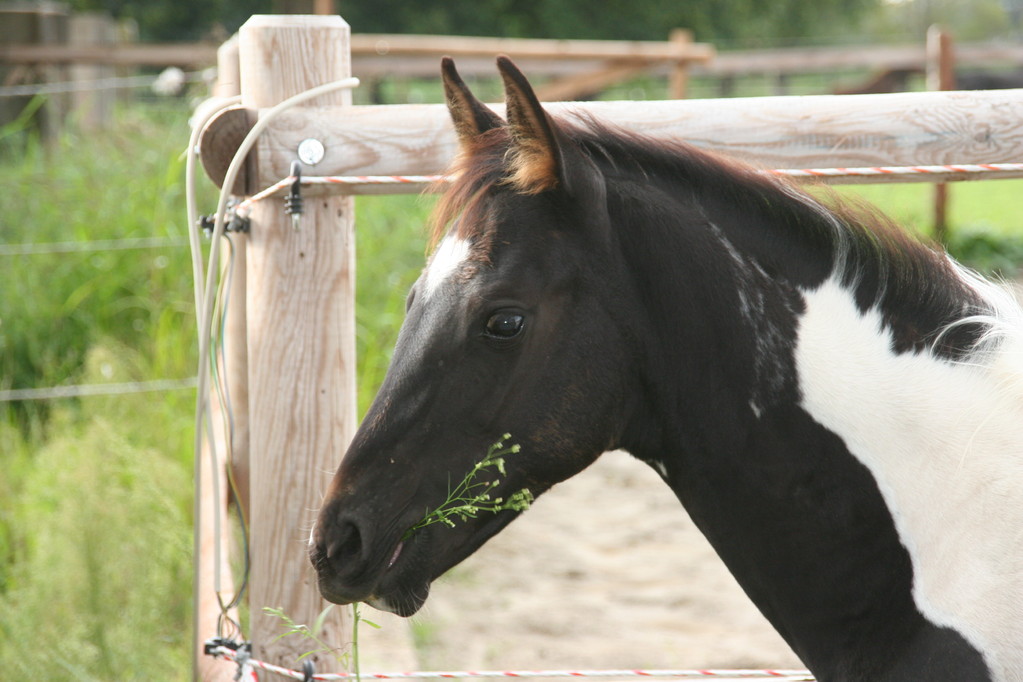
472	496
349	660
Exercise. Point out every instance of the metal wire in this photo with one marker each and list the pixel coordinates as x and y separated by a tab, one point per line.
83	390
112	83
42	248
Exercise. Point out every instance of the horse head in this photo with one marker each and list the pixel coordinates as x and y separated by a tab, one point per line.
512	327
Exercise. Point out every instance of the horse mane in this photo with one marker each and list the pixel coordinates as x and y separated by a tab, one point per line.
922	293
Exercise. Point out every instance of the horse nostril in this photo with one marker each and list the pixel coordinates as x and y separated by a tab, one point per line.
344	544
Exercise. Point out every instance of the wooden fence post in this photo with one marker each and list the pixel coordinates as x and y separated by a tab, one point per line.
232	447
93	109
43	25
678	80
301	338
940	76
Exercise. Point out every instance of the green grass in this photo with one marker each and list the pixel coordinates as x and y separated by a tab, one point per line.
95	493
391	249
986	231
989	206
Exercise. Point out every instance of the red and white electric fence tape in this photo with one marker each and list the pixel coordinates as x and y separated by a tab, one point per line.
959	168
951	169
787	675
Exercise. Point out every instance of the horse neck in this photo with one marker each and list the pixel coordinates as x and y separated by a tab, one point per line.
753	414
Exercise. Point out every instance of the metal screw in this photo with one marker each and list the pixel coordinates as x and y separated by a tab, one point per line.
310	151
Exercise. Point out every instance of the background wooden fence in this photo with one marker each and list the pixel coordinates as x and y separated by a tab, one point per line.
47	44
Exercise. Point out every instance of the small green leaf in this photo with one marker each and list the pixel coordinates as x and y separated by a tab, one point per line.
322	618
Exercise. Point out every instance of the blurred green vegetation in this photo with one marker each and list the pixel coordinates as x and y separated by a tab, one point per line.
985	232
727	23
96	492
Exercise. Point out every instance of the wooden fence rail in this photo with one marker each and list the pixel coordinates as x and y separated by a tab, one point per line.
411	55
905	129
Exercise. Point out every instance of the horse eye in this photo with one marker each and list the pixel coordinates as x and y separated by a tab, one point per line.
505	325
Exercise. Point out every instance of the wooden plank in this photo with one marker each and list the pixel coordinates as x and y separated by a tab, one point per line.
386	54
475	66
825	59
170	54
301	336
426	47
456	46
903	129
590	83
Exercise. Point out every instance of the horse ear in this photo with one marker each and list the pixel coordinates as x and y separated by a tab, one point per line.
536	159
471	117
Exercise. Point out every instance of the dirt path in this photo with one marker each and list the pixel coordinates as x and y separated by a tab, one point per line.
605	571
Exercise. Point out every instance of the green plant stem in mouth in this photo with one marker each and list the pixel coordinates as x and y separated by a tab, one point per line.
472	495
465	501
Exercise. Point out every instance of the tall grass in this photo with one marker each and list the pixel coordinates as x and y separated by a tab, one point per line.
95	494
95	526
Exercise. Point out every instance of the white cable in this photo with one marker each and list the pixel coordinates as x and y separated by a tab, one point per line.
191	154
205	289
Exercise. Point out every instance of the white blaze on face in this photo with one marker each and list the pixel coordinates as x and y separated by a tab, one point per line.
944	447
446	261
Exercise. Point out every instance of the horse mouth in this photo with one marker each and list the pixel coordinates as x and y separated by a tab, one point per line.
382	589
402	583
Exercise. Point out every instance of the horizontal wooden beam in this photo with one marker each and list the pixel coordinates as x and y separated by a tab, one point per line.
429	48
906	129
538	48
411	55
169	54
825	59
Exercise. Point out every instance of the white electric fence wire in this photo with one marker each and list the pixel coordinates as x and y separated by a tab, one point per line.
686	674
113	83
205	291
948	172
129	243
84	390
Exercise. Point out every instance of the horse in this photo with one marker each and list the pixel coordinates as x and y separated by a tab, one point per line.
837	405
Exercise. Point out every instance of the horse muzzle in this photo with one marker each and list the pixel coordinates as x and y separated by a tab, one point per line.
354	565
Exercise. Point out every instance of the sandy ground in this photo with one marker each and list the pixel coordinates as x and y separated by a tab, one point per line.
604	571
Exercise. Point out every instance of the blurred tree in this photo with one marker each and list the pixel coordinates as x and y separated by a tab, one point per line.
170	20
746	21
729	20
966	19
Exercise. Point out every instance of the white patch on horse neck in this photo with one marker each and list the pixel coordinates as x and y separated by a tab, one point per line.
660	467
944	442
446	260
